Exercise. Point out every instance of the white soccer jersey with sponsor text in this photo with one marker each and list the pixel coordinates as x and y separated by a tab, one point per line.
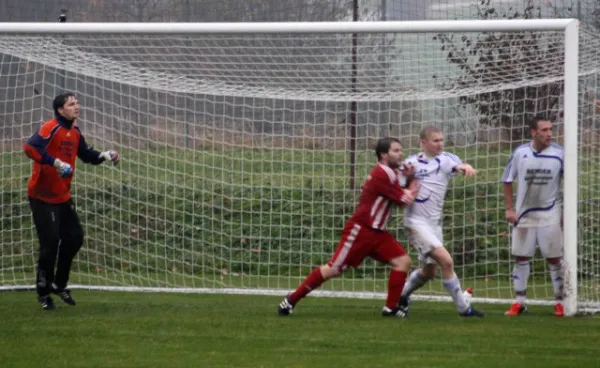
433	175
538	177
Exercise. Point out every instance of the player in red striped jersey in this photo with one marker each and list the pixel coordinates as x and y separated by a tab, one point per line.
365	233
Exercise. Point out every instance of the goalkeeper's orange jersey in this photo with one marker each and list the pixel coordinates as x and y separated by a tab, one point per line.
56	139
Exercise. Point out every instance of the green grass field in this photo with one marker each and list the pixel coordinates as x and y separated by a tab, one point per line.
110	329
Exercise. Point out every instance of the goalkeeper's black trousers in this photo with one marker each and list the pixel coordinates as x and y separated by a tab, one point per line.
59	232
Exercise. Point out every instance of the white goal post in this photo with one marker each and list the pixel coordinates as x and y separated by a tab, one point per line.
300	103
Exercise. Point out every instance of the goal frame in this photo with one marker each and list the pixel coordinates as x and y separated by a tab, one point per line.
570	27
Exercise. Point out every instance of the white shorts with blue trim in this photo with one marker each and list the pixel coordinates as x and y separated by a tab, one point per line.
425	236
548	238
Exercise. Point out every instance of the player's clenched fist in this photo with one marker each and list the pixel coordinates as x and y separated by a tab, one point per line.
466	170
111	156
64	169
407	170
511	216
408	197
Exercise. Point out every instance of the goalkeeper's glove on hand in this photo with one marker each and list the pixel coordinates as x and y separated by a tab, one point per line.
63	168
112	156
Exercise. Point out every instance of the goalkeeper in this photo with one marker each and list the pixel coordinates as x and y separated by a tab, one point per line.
53	149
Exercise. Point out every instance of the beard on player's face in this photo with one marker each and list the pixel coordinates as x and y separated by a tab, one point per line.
393	160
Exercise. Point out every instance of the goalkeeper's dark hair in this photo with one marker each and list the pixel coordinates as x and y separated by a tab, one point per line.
533	123
383	146
60	101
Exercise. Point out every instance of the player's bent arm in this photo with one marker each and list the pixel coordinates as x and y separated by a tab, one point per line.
413	186
392	191
90	156
407	170
35	149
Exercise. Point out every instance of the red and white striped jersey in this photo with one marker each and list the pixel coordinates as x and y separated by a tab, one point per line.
380	192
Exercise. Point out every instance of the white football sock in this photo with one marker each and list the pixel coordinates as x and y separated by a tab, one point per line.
453	287
413	283
520	278
558	279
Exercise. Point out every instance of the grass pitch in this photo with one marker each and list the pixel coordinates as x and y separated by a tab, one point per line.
108	329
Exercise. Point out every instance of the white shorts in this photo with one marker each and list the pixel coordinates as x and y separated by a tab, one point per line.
548	238
425	237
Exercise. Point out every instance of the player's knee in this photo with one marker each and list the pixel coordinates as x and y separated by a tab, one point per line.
79	237
77	240
521	259
47	256
447	264
49	245
73	242
401	263
443	259
328	272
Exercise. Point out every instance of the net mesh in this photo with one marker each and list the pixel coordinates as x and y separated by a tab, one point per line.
237	149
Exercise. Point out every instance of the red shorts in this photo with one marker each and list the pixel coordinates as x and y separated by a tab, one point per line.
359	242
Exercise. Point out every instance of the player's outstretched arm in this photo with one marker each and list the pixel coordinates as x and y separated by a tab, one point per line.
465	169
90	156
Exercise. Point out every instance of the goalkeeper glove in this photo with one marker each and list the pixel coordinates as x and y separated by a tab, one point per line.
110	156
63	168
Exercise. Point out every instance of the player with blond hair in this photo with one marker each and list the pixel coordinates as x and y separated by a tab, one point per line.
423	220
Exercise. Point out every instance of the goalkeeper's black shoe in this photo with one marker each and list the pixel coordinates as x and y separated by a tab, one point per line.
396	312
46	302
65	295
285	307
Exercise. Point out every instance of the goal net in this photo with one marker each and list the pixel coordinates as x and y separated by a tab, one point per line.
243	150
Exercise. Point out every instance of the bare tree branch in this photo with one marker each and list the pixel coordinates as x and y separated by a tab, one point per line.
491	58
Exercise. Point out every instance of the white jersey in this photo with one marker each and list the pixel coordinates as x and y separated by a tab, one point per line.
433	175
538	177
